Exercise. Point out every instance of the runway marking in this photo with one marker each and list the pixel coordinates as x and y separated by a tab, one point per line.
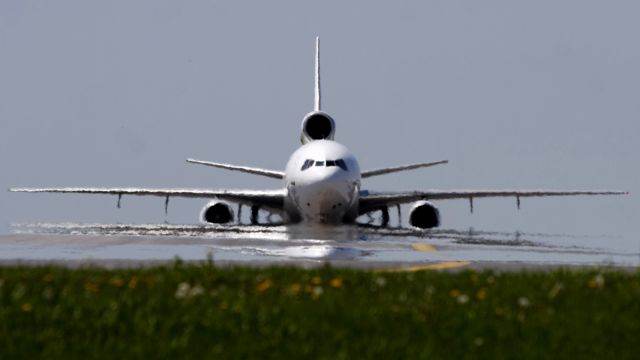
423	247
436	266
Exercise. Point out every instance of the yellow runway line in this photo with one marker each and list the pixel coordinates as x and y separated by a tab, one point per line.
423	247
435	266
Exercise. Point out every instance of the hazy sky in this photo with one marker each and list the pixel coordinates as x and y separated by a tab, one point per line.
536	94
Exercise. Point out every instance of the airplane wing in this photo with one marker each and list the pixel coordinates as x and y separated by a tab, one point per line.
374	200
246	169
383	171
267	198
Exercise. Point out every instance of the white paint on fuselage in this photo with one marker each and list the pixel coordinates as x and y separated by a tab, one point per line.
322	194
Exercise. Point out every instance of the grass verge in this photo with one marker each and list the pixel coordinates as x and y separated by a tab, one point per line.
195	310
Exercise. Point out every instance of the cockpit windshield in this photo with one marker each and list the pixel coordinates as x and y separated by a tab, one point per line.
339	163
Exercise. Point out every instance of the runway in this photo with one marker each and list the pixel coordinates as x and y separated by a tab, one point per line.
389	249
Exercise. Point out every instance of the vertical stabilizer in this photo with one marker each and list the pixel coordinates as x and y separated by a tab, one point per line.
317	125
316	103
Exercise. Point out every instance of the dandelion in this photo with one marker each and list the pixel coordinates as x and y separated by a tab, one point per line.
336	282
91	287
295	288
597	282
524	302
316	280
264	285
454	293
481	294
196	290
463	299
314	291
117	282
133	282
380	281
26	307
183	290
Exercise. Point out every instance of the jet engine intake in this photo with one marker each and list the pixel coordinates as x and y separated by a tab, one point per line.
424	215
317	125
216	212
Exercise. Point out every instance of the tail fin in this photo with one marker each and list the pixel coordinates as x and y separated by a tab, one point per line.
317	125
316	106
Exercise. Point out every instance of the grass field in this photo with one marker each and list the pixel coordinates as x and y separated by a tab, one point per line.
196	310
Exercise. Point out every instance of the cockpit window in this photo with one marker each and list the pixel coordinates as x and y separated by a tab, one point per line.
342	164
309	163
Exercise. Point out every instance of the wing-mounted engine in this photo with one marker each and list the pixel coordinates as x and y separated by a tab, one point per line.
216	212
317	125
424	215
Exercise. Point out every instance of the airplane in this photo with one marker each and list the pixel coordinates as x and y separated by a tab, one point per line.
322	184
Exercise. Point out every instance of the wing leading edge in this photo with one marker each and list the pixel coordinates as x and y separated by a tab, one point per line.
246	169
267	198
389	170
371	200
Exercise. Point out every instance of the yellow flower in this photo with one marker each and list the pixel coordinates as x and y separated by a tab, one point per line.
133	282
26	307
118	282
89	286
481	294
316	280
295	288
264	285
454	293
336	282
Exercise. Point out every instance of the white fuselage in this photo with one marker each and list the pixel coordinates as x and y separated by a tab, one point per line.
323	182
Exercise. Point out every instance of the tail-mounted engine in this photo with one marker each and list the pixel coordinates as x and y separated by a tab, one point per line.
424	215
317	125
216	212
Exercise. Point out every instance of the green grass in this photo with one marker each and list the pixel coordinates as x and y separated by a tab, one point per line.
190	311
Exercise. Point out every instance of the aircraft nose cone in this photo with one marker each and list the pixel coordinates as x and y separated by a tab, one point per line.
328	175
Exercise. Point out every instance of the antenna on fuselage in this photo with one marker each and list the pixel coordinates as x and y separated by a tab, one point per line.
316	103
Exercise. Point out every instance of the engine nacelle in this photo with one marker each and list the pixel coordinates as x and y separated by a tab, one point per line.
216	212
424	215
317	125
